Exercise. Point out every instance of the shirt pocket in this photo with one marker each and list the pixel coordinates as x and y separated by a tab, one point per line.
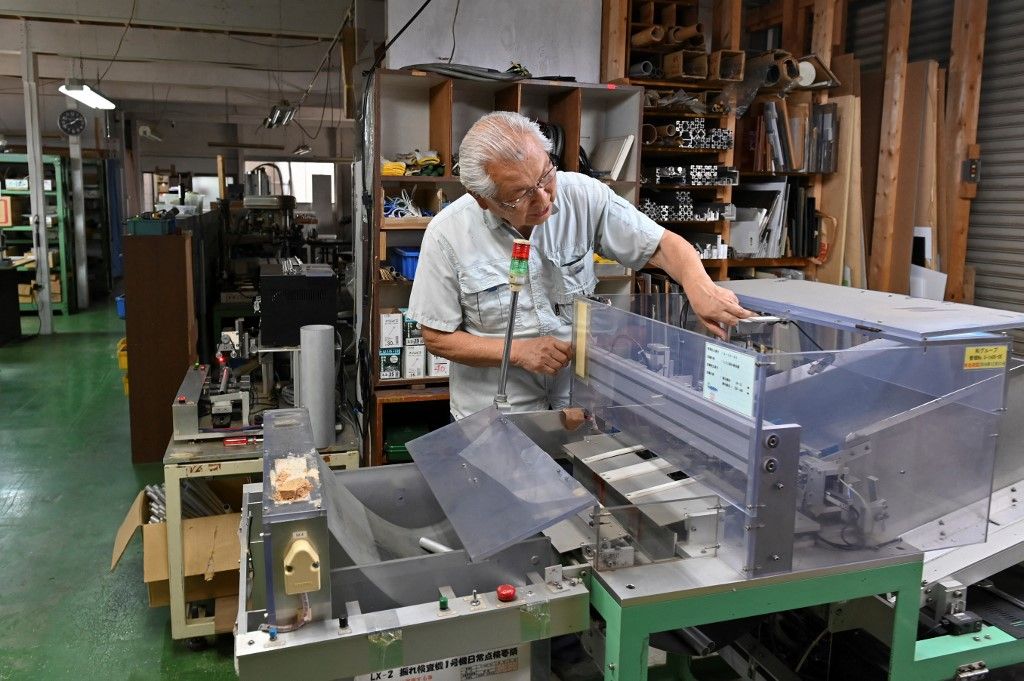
575	273
486	297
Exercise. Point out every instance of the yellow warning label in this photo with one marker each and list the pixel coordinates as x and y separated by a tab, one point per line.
582	321
985	357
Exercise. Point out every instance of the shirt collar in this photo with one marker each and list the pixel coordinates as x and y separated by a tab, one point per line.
493	221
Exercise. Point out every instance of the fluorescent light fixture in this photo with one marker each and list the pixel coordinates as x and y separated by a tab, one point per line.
280	114
302	150
86	95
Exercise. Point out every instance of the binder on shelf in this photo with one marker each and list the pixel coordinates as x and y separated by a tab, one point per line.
611	154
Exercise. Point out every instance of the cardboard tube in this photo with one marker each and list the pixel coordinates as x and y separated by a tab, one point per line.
667	130
648	36
641	69
648	133
679	34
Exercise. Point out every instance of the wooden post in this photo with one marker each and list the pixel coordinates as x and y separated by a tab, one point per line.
792	36
963	95
727	25
824	30
222	187
897	38
614	34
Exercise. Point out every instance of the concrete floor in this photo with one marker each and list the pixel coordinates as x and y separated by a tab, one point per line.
66	480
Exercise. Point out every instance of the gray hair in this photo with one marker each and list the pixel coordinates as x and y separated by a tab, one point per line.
498	136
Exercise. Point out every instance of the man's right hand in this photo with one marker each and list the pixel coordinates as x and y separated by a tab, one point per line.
544	355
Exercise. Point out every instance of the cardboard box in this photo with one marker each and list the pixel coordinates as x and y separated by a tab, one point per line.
437	366
210	547
16	184
24	289
390	363
414	364
6	219
411	329
391	329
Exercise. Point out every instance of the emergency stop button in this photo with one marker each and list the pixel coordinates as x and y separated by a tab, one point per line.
506	593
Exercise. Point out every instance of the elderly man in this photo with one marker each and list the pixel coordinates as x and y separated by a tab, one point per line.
461	294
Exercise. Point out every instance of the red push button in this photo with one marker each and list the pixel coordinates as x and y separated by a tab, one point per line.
506	593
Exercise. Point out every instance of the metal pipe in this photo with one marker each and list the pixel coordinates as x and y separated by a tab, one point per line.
224	380
507	352
434	546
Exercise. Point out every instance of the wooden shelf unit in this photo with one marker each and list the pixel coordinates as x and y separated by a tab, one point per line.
622	19
420	110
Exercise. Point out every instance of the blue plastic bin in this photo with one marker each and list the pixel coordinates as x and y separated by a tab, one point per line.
404	260
120	306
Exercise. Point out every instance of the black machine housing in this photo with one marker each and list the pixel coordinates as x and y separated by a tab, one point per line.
292	295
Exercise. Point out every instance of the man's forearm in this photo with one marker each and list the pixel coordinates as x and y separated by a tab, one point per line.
464	348
680	260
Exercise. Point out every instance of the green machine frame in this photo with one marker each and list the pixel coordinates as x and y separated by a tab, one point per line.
629	626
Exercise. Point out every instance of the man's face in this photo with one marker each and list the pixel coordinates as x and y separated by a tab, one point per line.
526	190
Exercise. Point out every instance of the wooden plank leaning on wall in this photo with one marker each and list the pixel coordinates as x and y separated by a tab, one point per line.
959	141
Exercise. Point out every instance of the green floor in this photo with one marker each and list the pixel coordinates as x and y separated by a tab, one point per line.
66	479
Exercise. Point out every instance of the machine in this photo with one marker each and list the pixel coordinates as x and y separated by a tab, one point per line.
836	454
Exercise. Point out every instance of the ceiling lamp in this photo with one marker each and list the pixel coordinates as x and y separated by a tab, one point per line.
280	114
86	95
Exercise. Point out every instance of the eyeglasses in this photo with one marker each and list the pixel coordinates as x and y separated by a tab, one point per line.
543	183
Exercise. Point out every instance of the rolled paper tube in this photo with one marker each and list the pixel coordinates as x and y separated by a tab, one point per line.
667	130
648	36
695	42
644	68
678	34
789	70
648	133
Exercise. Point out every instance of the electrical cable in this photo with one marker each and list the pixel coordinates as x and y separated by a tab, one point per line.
806	335
119	43
817	639
455	18
344	22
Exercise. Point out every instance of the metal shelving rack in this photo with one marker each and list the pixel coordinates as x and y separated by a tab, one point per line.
19	236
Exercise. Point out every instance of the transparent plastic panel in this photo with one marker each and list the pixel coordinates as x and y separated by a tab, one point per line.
495	485
687	397
894	443
291	471
636	534
897	444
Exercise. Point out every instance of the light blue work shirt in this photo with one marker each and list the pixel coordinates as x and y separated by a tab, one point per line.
462	281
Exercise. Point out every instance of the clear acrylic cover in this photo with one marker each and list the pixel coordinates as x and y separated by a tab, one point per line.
495	485
889	446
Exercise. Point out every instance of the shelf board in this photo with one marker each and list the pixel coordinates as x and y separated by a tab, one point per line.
420	179
401	395
24	192
769	262
767	173
707	224
404	223
689	187
680	113
699	84
406	382
394	282
654	149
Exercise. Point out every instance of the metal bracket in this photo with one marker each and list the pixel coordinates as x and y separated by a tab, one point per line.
971	672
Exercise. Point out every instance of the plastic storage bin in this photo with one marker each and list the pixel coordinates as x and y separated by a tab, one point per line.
404	260
120	306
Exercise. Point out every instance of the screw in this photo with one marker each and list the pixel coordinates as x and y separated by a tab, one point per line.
251	642
776	556
958	594
631	586
779	485
902	472
771	465
988	636
977	638
772	441
942	522
928	590
611	665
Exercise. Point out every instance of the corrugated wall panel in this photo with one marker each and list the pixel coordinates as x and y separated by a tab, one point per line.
995	245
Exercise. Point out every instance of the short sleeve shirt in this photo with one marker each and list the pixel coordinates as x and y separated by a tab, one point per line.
461	280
